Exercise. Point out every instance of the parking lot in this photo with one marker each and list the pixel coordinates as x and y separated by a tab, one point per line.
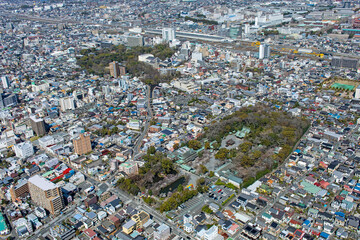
218	194
193	206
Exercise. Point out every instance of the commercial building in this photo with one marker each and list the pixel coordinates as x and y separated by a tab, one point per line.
46	194
38	125
82	144
24	150
67	103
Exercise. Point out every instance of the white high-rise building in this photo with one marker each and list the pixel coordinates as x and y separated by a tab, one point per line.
357	92
67	103
264	51
168	34
5	82
24	150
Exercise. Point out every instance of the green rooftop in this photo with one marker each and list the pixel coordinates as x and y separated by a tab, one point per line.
185	167
244	131
47	173
310	188
343	86
3	225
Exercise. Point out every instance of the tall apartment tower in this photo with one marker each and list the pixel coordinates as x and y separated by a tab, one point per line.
5	82
82	144
264	51
45	194
116	70
38	125
168	34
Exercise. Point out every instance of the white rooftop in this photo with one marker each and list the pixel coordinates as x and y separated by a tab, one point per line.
42	182
35	119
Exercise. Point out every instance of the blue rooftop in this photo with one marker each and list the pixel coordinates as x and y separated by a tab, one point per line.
324	235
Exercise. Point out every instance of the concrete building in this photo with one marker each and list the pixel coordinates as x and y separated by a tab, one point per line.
162	232
235	31
7	100
264	51
212	233
67	103
130	168
46	194
38	125
168	34
134	41
116	70
82	144
5	82
357	92
129	226
24	150
268	20
187	86
341	62
133	124
141	218
19	190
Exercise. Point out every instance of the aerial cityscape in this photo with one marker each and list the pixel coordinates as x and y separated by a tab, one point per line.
184	119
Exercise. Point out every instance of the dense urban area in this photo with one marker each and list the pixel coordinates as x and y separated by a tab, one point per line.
184	119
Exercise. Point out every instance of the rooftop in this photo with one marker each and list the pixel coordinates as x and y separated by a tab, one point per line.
3	225
42	182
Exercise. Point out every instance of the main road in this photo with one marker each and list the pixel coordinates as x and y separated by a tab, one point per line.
147	123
